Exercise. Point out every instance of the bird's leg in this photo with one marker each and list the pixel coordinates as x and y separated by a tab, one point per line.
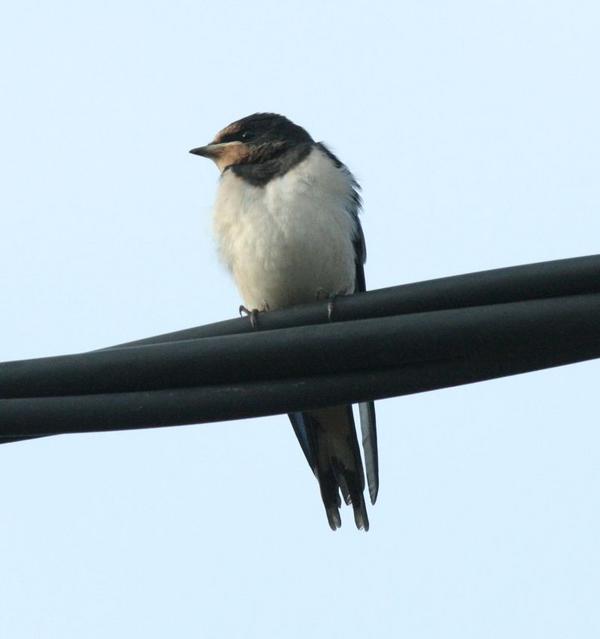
321	295
330	306
252	314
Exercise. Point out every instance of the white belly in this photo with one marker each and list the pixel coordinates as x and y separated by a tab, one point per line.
291	240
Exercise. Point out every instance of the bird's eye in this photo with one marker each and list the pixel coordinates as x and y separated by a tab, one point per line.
246	135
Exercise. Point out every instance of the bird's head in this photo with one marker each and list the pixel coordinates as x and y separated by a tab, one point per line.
255	139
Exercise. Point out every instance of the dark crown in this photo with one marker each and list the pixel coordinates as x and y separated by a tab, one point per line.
261	128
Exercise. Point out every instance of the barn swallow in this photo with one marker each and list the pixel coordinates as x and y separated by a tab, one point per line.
287	227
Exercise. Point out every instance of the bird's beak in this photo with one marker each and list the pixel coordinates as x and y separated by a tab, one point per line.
212	150
223	154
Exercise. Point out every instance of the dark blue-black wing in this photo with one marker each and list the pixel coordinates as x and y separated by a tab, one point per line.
302	427
368	422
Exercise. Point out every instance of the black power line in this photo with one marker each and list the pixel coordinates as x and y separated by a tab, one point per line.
383	343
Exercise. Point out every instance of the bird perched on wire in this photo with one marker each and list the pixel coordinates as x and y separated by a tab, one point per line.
287	227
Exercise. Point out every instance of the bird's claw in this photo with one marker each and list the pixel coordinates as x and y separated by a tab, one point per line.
321	295
252	314
331	307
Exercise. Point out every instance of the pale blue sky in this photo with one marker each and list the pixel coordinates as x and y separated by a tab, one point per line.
474	130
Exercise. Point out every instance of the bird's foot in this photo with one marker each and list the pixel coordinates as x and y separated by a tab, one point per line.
322	295
331	307
252	314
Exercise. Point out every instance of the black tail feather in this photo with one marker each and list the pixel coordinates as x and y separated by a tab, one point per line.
369	440
328	438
